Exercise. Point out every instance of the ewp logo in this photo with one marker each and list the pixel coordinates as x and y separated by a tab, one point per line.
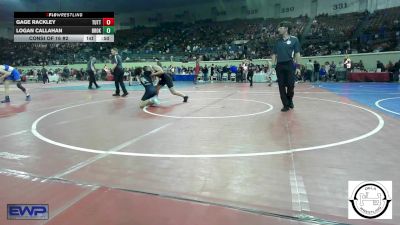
27	212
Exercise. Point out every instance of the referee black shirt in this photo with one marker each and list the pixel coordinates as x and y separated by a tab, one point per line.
116	59
90	65
285	49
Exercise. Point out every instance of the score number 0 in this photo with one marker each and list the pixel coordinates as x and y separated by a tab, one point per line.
108	21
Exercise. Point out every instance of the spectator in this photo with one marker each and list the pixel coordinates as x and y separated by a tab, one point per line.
196	71
205	73
379	66
323	73
212	69
309	70
317	67
66	73
396	71
332	71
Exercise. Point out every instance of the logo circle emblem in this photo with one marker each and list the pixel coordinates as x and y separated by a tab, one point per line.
370	200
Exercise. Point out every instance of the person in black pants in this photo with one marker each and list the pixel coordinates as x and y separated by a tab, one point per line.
396	71
286	53
91	70
118	72
250	74
45	78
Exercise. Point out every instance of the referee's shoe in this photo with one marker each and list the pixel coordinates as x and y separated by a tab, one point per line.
288	107
285	109
291	105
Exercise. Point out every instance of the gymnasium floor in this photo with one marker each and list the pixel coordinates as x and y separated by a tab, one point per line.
229	156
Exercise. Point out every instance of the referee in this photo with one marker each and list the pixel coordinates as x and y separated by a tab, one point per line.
91	70
286	53
118	72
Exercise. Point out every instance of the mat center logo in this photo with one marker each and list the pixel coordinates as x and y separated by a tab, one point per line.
370	200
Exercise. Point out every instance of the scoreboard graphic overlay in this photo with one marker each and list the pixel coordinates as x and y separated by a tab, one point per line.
64	26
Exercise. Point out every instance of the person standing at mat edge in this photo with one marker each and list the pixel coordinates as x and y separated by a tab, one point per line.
286	52
118	72
91	70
